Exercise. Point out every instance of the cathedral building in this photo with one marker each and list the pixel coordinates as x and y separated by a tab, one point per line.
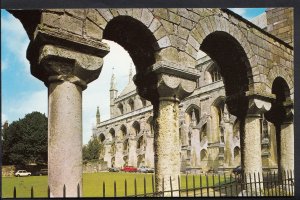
209	134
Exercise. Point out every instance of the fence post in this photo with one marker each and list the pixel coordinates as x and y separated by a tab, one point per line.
32	196
194	185
246	184
186	185
225	184
207	189
103	188
64	191
236	185
78	190
115	189
255	184
135	187
163	186
171	186
201	193
125	187
293	180
260	183
220	189
230	180
274	176
15	192
145	186
179	186
48	191
153	184
288	175
213	182
284	182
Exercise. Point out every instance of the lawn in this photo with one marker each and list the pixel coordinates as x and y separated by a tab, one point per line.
93	184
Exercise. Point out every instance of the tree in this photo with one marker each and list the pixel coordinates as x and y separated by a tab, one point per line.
92	150
26	141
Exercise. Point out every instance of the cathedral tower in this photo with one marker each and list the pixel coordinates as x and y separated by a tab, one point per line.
113	94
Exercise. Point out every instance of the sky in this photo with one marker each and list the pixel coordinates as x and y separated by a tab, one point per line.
22	93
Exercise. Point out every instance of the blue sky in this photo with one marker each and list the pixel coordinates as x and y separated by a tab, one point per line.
22	93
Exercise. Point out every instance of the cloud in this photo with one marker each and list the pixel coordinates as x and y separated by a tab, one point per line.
16	40
27	103
239	11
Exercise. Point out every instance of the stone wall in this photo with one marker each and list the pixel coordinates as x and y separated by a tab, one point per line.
92	167
280	23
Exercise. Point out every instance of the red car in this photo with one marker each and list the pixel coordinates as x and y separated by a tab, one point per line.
129	169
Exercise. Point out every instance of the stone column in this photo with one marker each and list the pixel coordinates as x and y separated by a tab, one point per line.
132	151
165	88
251	141
119	162
287	146
66	72
107	156
286	162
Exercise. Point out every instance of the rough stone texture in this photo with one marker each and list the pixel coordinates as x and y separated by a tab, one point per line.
287	147
64	140
167	158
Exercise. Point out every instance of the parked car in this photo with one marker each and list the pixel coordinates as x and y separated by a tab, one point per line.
42	172
129	169
113	169
144	169
22	173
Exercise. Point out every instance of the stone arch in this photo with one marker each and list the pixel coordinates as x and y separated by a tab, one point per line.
236	155
280	71
135	36
140	142
203	133
136	127
189	111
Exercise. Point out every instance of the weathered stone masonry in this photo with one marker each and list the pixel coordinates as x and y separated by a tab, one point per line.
66	52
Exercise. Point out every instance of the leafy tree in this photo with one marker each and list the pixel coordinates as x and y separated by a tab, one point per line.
25	141
92	150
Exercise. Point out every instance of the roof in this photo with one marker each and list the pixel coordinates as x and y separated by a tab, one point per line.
129	88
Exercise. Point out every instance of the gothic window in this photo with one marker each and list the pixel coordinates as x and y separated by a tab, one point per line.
150	124
203	133
121	109
203	155
131	105
101	137
140	142
215	73
112	133
144	102
236	152
192	110
123	131
136	127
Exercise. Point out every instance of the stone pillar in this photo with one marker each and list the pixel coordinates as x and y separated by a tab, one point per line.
165	88
119	162
66	69
287	146
107	156
132	151
251	141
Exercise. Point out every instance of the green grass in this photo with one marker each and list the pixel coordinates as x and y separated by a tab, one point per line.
93	184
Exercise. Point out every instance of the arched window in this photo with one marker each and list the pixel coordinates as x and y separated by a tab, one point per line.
144	102
150	124
203	155
236	152
131	104
112	133
121	109
190	111
203	133
123	131
214	73
101	137
136	127
140	143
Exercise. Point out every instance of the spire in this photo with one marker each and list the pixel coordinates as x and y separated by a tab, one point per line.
98	116
130	73
113	81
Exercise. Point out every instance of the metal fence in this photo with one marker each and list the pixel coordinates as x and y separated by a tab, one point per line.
208	185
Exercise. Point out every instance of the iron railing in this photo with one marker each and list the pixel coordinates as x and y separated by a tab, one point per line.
219	185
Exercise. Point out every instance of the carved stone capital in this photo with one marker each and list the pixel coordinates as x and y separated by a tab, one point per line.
55	58
167	81
258	106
